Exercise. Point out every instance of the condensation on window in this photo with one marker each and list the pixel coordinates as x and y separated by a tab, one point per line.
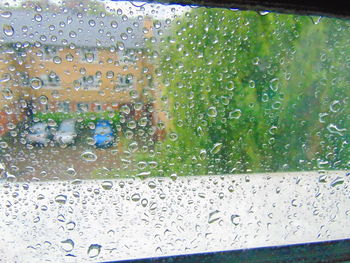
131	129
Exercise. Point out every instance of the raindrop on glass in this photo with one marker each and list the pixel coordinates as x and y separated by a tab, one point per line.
107	185
61	199
88	156
216	148
8	30
36	83
67	245
235	220
94	250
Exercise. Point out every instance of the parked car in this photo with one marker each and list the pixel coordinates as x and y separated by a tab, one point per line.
103	134
38	133
66	133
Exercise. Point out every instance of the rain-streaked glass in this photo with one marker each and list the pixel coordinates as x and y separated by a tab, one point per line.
131	128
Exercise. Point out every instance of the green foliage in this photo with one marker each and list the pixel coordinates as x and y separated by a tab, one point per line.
83	117
256	85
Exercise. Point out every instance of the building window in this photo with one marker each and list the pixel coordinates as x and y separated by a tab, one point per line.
82	107
64	106
51	80
125	82
49	52
98	107
128	56
91	82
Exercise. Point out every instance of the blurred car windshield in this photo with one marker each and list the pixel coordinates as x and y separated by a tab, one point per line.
38	128
67	126
103	129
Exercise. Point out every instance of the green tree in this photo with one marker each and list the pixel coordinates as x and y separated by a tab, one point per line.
245	93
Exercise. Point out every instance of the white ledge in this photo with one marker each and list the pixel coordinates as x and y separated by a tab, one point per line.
188	215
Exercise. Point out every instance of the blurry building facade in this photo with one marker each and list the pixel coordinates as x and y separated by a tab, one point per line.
73	62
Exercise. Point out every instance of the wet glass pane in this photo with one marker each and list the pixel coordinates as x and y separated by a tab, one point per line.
122	116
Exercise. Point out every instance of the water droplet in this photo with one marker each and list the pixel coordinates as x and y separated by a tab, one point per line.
71	225
7	94
236	114
124	36
135	197
131	124
71	171
38	17
6	14
263	13
322	178
157	24
273	130
61	199
213	216
144	202
109	74
72	34
235	220
316	20
69	57
94	250
8	30
43	100
114	24
335	106
321	117
92	23
274	84
200	131
152	184
277	105
107	185
337	181
322	164
216	148
212	112
203	154
89	57
231	189
88	156
201	195
57	60
230	86
67	245
153	206
332	128
251	84
256	61
51	123
173	176
5	77
173	136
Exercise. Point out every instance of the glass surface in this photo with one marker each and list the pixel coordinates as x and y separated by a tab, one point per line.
228	129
